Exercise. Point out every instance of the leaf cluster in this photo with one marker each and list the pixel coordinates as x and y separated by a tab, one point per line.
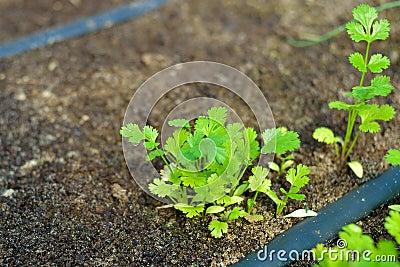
365	27
205	165
358	243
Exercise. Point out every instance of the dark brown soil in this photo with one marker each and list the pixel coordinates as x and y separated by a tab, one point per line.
74	201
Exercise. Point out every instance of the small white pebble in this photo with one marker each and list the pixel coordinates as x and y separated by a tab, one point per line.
8	193
21	96
53	65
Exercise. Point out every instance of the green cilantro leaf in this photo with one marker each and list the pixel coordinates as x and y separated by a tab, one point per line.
298	177
162	189
380	30
325	135
393	157
217	228
357	60
173	144
218	114
194	181
214	209
150	134
393	225
259	175
153	154
190	211
366	15
275	141
378	63
356	31
234	214
371	113
227	200
132	132
250	136
179	123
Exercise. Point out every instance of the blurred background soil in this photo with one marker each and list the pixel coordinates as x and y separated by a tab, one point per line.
67	197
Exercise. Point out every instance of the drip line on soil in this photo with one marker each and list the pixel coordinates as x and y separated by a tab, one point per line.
80	27
351	208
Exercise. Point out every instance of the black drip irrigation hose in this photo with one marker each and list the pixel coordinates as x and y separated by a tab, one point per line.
305	235
80	27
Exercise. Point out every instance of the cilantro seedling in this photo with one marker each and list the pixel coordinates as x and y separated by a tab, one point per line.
291	142
365	28
393	157
361	244
209	159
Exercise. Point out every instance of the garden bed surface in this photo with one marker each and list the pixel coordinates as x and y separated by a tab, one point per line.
74	201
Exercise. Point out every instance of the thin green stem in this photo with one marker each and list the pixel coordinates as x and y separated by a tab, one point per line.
165	161
352	117
236	185
366	62
352	144
254	201
280	207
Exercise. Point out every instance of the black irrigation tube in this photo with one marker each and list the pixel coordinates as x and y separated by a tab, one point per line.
79	27
352	207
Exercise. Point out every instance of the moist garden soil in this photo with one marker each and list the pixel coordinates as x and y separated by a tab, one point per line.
68	198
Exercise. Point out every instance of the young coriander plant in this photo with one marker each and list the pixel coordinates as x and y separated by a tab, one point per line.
210	159
285	161
393	157
365	28
362	247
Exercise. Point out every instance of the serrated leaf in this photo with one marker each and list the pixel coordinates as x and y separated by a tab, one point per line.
250	136
357	60
258	177
298	177
392	225
174	143
132	132
217	228
301	213
218	114
150	145
378	63
275	141
190	211
356	31
340	105
380	86
357	168
393	157
234	130
214	209
265	186
324	135
161	189
380	30
153	154
179	123
227	200
150	134
193	181
235	213
371	113
365	14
